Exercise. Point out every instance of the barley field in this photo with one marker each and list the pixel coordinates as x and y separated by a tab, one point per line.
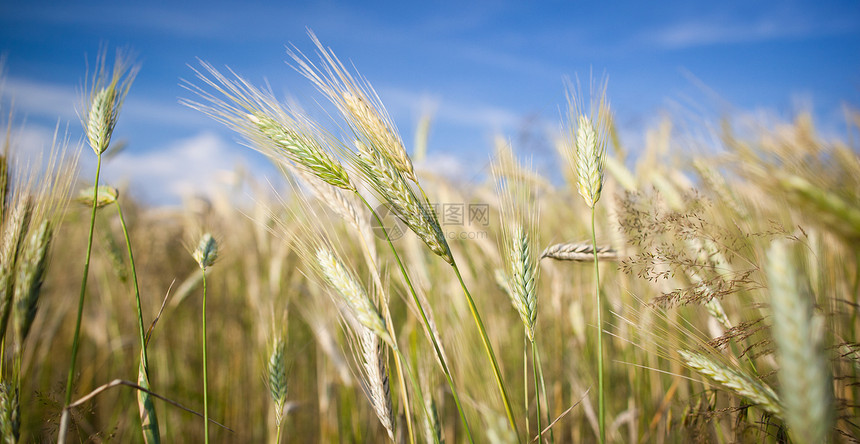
702	290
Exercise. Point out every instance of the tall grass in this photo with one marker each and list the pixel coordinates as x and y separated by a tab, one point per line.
661	308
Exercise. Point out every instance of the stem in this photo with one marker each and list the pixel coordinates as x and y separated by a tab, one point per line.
136	289
414	383
278	434
488	349
601	408
545	396
526	383
75	339
205	380
537	391
424	319
149	421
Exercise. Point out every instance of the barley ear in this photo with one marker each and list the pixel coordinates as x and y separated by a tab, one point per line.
355	296
106	96
14	233
10	421
31	273
589	133
579	252
277	376
206	252
805	380
375	371
735	380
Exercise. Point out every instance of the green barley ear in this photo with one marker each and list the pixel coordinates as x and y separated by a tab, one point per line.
31	273
358	103
106	196
277	375
106	96
206	252
589	136
14	233
384	178
305	152
735	380
344	281
10	422
804	377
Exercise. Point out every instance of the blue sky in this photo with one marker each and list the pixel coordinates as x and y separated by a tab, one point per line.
483	67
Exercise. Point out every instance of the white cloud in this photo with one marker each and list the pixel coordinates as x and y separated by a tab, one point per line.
42	99
202	165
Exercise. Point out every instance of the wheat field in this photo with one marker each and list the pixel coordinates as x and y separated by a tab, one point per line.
684	293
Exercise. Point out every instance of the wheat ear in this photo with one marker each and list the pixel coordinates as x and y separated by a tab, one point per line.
734	379
805	380
579	252
376	372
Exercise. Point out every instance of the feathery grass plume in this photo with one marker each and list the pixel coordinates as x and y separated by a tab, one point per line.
805	380
10	422
387	181
736	380
206	252
354	295
579	252
587	144
279	132
106	96
359	104
375	370
31	273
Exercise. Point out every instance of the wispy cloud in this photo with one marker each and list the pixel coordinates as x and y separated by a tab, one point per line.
196	166
731	29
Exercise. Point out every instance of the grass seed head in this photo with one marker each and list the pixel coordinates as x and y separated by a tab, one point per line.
106	96
206	252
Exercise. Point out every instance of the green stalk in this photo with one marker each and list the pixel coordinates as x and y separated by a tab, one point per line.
424	319
148	418
414	382
205	380
526	382
537	391
543	388
601	408
488	349
75	339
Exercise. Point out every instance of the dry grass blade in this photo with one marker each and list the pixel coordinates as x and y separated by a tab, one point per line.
579	252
